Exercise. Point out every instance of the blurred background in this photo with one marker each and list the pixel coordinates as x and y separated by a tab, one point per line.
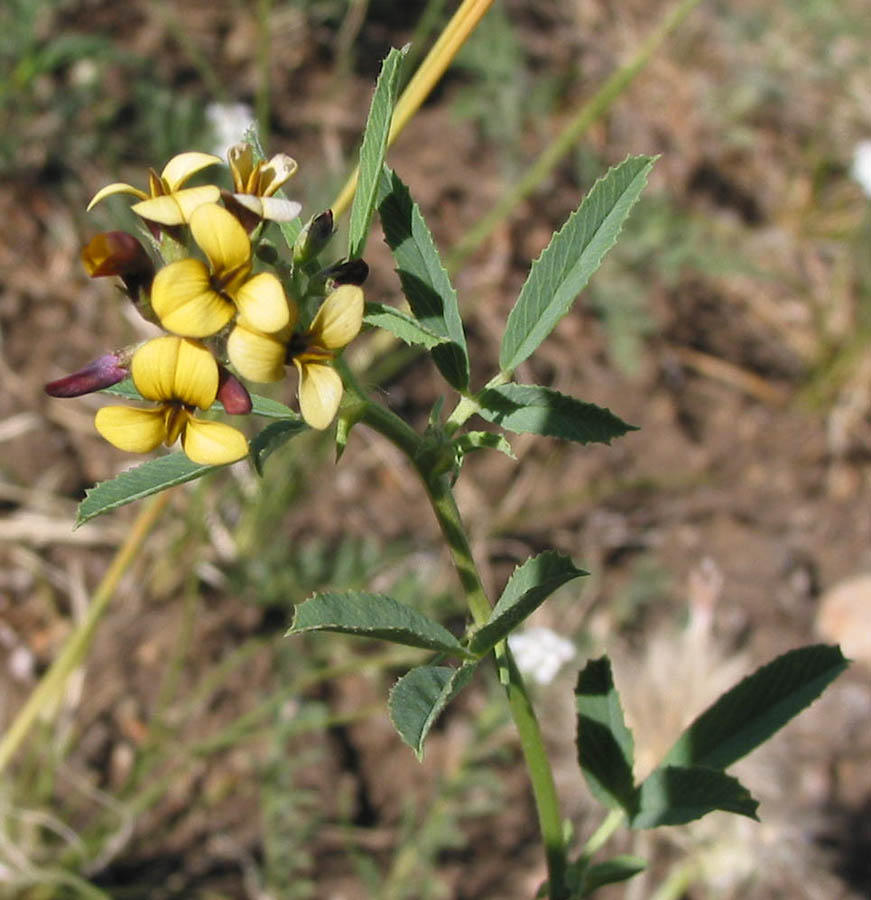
198	753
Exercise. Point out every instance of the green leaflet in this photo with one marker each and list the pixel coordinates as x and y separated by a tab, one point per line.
419	697
572	256
529	408
372	151
374	616
426	285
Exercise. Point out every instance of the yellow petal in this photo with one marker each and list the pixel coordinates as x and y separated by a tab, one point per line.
174	369
117	187
223	240
320	391
177	171
153	368
262	302
163	210
256	356
213	443
339	319
241	159
275	173
185	301
131	429
190	199
196	375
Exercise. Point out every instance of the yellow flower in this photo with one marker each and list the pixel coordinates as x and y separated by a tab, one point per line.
165	203
180	375
197	300
262	357
254	185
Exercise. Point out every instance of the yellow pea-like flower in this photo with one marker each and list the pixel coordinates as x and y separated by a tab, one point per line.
262	357
179	375
196	299
166	203
255	184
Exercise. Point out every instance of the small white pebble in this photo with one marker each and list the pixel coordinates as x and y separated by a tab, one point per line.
540	653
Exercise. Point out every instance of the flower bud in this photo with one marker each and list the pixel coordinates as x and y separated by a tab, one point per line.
350	271
119	253
313	237
232	394
99	374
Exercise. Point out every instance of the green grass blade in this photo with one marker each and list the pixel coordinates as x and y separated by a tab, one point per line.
572	256
373	150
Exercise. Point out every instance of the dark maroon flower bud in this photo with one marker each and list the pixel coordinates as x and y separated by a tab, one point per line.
350	271
99	374
232	394
119	253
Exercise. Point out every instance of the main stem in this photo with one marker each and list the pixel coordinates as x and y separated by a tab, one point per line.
442	500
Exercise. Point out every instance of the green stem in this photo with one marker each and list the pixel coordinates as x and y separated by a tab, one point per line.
442	500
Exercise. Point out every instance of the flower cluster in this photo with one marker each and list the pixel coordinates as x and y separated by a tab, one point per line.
222	311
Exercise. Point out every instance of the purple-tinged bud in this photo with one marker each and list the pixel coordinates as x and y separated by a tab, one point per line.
99	374
232	394
119	253
314	236
350	271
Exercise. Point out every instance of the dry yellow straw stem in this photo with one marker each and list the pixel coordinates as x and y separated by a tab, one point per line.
53	682
456	33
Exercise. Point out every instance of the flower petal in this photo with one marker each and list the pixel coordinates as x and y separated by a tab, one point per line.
190	199
175	370
262	302
241	159
163	210
220	236
320	392
131	429
185	301
196	375
339	319
177	171
257	356
277	210
275	173
117	187
213	443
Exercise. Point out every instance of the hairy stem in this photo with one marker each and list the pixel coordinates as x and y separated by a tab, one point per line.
445	508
